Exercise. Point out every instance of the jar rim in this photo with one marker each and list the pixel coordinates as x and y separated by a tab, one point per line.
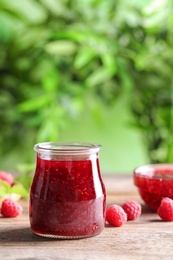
155	171
67	148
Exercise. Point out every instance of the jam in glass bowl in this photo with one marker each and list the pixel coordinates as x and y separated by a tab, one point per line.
154	182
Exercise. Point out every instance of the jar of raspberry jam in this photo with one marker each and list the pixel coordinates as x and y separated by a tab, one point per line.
67	196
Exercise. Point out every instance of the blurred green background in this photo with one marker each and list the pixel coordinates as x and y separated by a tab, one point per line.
87	70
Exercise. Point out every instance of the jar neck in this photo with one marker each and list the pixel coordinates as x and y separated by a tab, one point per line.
67	151
84	157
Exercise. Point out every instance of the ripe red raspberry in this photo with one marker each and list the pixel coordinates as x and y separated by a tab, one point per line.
11	208
8	177
165	210
132	209
116	216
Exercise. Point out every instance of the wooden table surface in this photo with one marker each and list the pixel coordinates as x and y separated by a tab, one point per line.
145	238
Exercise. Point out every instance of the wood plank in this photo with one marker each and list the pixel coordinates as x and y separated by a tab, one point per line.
146	238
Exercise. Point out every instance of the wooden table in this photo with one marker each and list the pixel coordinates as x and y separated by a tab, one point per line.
146	238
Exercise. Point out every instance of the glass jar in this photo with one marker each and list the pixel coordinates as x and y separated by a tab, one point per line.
67	196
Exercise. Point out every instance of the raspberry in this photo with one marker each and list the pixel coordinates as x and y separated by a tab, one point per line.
8	177
132	209
116	216
11	208
165	210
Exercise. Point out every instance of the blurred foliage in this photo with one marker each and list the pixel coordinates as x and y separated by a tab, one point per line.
58	58
152	101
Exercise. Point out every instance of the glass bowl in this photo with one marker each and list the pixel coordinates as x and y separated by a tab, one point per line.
154	182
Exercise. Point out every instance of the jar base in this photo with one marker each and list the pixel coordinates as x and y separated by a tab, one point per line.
63	237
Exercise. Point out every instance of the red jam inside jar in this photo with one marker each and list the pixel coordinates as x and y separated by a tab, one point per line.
154	182
67	196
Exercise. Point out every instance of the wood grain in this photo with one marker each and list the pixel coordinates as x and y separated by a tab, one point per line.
146	238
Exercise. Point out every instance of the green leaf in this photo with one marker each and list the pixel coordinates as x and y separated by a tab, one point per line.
123	72
109	63
50	81
75	36
48	131
26	175
34	103
5	188
83	57
61	47
12	12
25	180
19	189
99	76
